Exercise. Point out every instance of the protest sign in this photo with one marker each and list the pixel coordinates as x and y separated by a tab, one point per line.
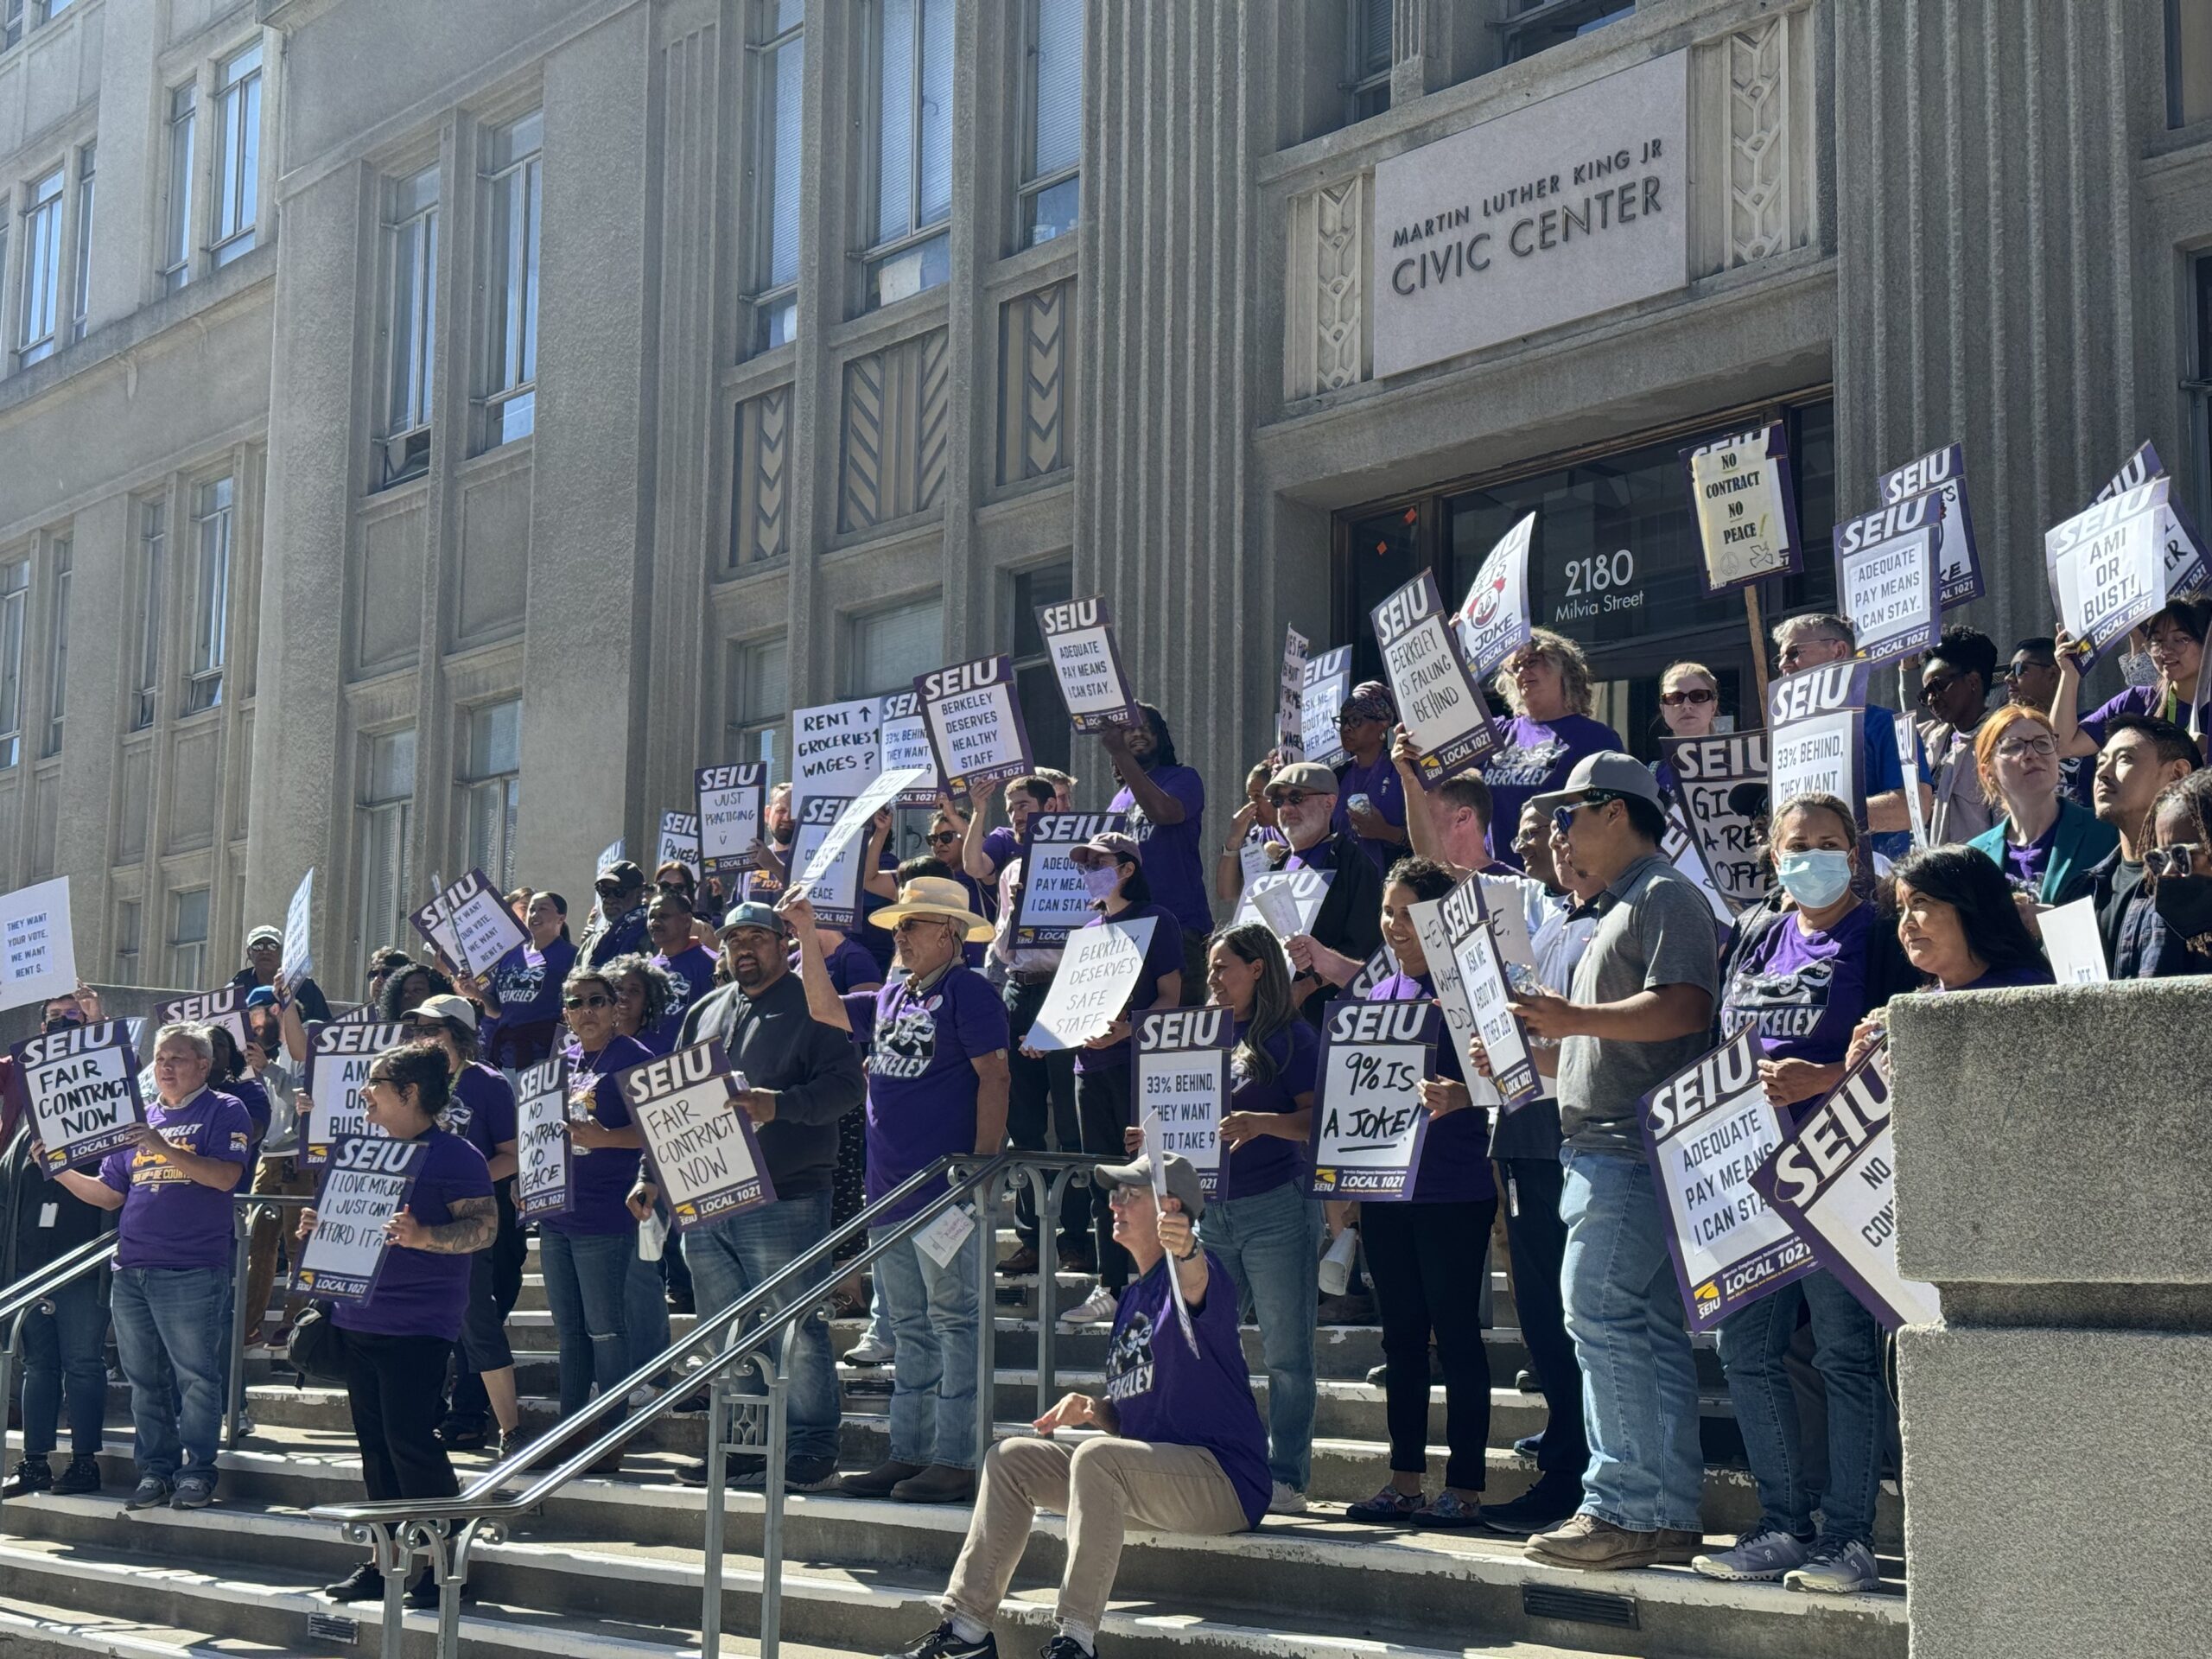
1285	902
1434	920
1093	985
1253	859
1679	848
2188	568
471	924
833	885
338	1058
905	739
1156	1145
1746	508
296	962
1943	474
835	749
78	1089
1327	684
1181	1079
1087	664
1706	772
975	724
1479	973
1377	968
226	1008
1885	577
1835	1182
1706	1130
2074	944
611	854
699	1139
1493	622
38	957
2107	568
542	1166
1053	901
366	1183
729	801
1290	706
1814	742
1439	704
1369	1123
679	842
832	865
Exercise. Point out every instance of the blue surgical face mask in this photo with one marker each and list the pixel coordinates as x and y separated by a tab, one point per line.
1815	879
1099	880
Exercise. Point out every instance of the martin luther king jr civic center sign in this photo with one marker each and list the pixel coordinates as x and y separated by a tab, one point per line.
1568	206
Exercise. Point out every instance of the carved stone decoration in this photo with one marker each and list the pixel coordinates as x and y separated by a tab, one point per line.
896	425
758	524
1033	392
1325	333
1758	142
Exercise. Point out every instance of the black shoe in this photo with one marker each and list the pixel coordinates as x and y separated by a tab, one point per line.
82	1476
682	1301
1543	1507
942	1643
458	1434
800	1475
738	1468
365	1583
1526	1384
32	1475
1063	1647
424	1592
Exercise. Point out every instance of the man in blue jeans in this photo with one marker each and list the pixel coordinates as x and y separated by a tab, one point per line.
802	1076
173	1266
1640	1009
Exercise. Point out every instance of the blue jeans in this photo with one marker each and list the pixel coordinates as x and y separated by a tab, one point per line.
67	1349
728	1257
1624	1311
1271	1243
1848	1356
933	1312
175	1344
647	1313
587	1287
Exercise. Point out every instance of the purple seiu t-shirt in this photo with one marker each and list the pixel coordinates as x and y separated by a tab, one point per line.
1455	1151
600	1177
2150	700
482	1108
255	1099
1172	864
1386	793
425	1292
692	970
1802	993
1163	955
169	1219
850	966
921	1076
1267	1161
1000	845
1164	1393
2024	867
1536	756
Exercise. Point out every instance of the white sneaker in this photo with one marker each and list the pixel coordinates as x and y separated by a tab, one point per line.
1286	1500
643	1396
1098	1308
869	1350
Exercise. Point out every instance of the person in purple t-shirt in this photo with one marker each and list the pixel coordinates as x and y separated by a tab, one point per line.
399	1338
2175	639
1546	682
1182	1451
1167	803
1370	796
172	1288
689	965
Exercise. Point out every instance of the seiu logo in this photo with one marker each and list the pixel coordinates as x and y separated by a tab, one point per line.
967	676
1065	618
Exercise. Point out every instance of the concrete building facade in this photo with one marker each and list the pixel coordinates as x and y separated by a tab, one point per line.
430	428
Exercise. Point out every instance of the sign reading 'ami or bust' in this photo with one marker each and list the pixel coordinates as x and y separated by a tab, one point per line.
1567	207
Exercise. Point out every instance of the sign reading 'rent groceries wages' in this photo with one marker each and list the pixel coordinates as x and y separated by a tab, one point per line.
1569	206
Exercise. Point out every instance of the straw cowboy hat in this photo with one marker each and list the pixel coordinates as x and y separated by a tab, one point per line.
932	895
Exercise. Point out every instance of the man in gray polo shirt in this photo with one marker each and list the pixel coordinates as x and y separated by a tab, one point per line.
1641	1009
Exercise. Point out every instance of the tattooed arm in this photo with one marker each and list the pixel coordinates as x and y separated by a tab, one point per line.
475	1223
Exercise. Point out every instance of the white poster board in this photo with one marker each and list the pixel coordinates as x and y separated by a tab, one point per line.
1439	702
338	1058
2074	944
2107	567
1886	579
1097	975
1493	621
698	1139
79	1090
38	957
543	1167
1181	1080
836	857
679	842
367	1180
975	724
1746	508
1320	698
297	961
1087	664
1290	717
1369	1123
835	749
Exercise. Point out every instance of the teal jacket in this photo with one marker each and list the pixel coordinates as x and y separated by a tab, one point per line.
2083	842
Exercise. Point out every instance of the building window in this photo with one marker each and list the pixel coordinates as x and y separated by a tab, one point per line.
1367	57
189	938
1053	187
177	246
41	269
514	192
2189	61
237	155
913	149
387	816
81	312
153	528
760	706
889	650
15	597
57	654
126	941
1535	26
410	324
212	527
494	789
779	80
55	7
11	24
1035	683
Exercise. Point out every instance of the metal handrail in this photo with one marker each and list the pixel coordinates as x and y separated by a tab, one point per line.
252	1208
397	1529
42	1283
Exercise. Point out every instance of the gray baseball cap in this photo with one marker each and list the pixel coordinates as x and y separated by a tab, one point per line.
1609	770
1182	1180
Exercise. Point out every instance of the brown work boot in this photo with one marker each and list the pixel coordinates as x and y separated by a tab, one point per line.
938	1484
1678	1548
878	1481
1592	1545
1023	1261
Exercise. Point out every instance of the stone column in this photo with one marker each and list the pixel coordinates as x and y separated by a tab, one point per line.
2051	1150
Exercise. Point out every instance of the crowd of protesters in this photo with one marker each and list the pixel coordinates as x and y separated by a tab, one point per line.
869	1053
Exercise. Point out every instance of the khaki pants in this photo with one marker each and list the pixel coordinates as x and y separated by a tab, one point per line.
1103	1487
278	1176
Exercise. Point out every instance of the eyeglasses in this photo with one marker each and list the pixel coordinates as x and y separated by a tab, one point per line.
1563	816
384	1078
2013	747
573	1003
907	924
1292	797
1348	718
1932	690
2178	859
1697	694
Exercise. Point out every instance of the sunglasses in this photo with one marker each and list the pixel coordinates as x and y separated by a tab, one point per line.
609	889
907	924
1935	687
1293	797
574	1003
684	887
2178	859
1675	699
1563	816
944	838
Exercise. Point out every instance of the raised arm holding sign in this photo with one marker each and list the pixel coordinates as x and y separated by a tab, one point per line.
729	801
1442	708
1087	665
79	1090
